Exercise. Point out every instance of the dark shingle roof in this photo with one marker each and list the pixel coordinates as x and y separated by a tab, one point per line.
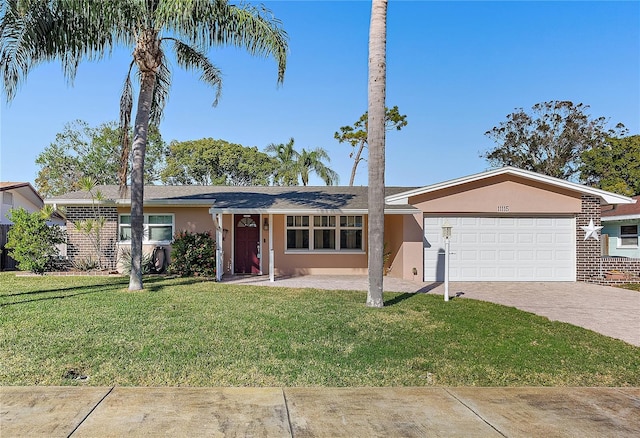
242	197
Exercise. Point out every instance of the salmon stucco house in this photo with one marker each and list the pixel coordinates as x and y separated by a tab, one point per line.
508	225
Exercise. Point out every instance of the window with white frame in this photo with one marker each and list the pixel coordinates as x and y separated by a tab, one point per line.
157	228
351	232
298	232
628	236
324	233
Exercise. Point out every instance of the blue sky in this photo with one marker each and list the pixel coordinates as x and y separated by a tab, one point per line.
456	69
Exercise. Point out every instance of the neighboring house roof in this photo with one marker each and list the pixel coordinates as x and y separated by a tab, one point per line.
25	189
244	199
621	212
605	197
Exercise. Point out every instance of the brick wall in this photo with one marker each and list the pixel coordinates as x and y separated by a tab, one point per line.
588	252
79	245
591	266
629	268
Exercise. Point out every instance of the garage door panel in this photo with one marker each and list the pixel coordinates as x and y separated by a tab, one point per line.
544	222
502	249
525	238
507	237
526	255
564	239
468	255
544	237
544	255
488	255
507	255
468	238
489	237
506	222
507	272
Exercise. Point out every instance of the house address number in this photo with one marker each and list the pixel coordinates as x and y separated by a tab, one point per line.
503	208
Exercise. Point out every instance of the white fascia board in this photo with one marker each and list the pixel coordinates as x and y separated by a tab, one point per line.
606	197
78	202
626	217
169	202
127	202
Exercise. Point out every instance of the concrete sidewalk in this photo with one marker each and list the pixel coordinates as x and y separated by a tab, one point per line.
319	412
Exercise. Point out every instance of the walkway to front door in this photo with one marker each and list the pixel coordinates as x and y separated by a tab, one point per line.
247	244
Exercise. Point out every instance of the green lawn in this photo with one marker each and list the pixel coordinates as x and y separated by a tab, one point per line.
192	333
631	286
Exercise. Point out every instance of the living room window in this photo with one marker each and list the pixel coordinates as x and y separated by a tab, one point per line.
350	232
324	233
628	236
158	228
297	232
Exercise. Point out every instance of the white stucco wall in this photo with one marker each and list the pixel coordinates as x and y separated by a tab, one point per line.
17	201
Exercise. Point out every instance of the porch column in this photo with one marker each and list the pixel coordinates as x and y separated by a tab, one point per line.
271	253
219	252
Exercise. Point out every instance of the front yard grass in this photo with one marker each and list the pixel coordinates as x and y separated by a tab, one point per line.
186	332
631	286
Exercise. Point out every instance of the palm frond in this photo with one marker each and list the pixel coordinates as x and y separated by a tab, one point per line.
190	58
213	23
32	32
160	93
126	106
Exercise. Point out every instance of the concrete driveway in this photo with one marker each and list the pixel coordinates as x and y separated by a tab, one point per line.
611	311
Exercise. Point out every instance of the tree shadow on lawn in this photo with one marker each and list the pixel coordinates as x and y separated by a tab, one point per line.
157	282
64	289
398	299
425	290
151	282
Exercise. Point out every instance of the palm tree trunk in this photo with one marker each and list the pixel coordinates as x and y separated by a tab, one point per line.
137	177
376	141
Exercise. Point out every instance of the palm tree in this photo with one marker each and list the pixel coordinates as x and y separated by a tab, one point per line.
287	159
36	31
376	141
313	161
294	166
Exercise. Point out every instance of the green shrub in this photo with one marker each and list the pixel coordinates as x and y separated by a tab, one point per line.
31	242
193	255
124	258
85	264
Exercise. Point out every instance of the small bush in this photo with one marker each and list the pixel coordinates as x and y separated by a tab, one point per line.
193	255
31	242
86	264
124	258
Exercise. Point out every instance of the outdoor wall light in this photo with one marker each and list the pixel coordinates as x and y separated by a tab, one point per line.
446	229
265	224
224	234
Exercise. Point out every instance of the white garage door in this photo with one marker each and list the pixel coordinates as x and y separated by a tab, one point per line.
501	249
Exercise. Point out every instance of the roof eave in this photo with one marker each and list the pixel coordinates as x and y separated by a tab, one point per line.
606	197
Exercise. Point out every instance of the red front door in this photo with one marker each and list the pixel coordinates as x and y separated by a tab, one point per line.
247	244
